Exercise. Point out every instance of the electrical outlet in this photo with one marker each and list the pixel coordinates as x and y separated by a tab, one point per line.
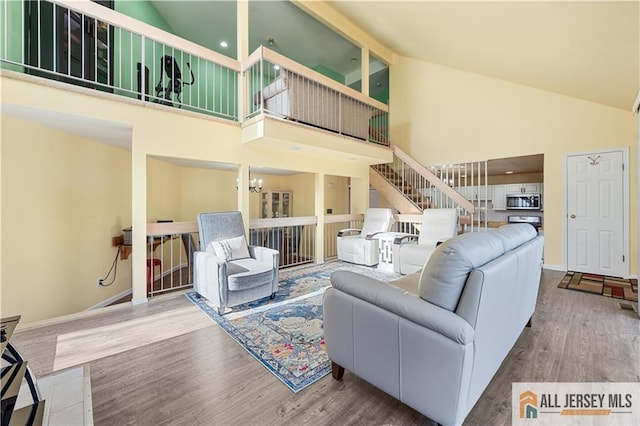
99	282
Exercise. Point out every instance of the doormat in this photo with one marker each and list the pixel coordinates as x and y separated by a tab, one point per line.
618	288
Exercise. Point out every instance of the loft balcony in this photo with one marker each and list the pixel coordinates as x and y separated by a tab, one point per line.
279	90
279	103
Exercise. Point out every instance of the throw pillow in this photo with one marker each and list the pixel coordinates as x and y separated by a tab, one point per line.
231	248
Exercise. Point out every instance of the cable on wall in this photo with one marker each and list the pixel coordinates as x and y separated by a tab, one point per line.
114	269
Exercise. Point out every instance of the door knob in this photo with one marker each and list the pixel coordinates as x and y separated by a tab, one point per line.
572	216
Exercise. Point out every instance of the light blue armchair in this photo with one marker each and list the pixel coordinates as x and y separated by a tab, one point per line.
228	272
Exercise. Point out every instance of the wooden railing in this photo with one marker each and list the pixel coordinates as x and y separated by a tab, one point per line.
424	189
280	87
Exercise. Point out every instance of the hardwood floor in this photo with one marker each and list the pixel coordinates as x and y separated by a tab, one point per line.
203	377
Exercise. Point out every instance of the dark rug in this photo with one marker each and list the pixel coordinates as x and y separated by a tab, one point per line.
618	288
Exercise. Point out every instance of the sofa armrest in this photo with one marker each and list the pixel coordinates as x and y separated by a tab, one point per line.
348	231
404	305
373	235
265	254
210	277
402	239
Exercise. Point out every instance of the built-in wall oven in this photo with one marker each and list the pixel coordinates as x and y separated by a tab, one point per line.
524	202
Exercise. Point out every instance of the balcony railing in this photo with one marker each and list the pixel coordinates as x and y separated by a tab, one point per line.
170	246
86	44
293	237
279	87
82	43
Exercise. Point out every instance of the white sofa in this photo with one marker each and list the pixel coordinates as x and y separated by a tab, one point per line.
298	98
435	339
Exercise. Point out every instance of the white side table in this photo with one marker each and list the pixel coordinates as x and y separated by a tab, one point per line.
385	249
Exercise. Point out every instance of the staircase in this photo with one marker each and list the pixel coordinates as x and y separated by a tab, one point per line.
410	188
407	188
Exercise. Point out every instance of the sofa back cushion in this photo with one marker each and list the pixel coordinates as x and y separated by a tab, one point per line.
445	274
376	220
438	225
515	234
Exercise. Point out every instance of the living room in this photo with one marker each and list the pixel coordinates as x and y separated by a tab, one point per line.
435	107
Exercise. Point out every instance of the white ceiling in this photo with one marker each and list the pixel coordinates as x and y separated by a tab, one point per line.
585	49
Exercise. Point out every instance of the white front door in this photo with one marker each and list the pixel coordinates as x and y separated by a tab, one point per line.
595	214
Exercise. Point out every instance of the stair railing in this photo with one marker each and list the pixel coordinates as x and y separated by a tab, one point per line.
419	185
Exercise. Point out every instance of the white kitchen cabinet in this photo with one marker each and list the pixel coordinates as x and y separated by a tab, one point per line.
474	193
524	188
466	191
483	193
499	199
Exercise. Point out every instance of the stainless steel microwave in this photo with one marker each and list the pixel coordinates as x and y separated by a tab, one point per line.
524	202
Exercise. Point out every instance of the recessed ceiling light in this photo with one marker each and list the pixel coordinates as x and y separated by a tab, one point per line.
352	158
508	172
224	44
276	67
296	148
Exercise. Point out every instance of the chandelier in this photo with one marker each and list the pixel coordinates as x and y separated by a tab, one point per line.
255	185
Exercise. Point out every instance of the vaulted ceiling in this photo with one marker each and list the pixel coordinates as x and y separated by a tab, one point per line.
585	49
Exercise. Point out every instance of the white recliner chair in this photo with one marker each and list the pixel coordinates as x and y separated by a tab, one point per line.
359	245
438	225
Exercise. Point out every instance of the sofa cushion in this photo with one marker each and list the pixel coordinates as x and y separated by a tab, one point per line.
444	276
230	248
249	273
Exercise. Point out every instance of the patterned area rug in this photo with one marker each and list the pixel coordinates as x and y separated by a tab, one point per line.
618	288
285	334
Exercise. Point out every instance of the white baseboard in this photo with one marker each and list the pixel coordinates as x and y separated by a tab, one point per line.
558	268
110	300
118	296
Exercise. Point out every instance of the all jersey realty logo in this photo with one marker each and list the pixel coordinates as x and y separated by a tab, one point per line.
565	403
528	405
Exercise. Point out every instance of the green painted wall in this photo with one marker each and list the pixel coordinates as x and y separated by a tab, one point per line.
13	25
142	10
214	86
328	72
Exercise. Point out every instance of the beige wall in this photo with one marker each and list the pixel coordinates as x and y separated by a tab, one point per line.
336	193
207	190
146	186
63	199
441	115
164	191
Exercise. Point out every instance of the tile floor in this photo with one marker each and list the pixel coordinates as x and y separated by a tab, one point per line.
67	396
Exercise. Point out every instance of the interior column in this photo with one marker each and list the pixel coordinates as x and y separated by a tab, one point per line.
243	195
319	213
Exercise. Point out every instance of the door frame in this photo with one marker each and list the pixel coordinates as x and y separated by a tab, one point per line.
625	210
